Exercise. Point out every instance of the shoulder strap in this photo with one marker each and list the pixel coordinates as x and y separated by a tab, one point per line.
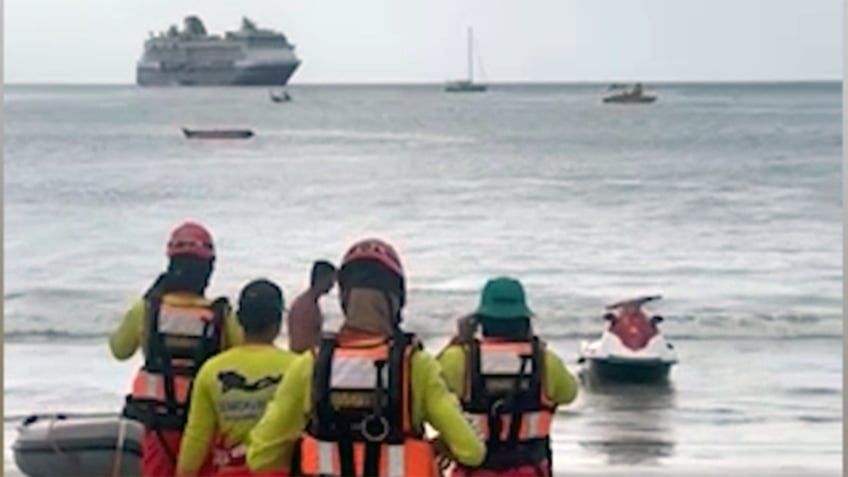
158	359
322	416
478	396
220	309
537	358
155	343
395	411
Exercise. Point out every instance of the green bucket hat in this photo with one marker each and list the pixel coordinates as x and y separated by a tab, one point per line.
503	299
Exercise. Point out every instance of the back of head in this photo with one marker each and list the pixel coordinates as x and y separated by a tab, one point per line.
260	308
517	328
187	273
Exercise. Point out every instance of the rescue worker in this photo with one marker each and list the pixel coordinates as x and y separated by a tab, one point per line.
360	400
509	383
231	389
177	330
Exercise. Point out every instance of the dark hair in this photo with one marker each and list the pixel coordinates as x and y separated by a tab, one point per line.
187	273
518	328
320	270
261	306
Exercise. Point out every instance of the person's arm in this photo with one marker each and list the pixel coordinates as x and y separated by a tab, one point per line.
452	361
443	411
304	327
561	385
200	427
271	442
233	333
125	340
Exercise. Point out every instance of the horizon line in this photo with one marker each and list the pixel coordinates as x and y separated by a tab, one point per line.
441	83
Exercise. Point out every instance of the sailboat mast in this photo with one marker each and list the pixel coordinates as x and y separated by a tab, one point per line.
470	55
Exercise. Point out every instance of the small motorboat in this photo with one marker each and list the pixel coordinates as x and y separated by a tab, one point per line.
631	349
283	97
62	445
217	133
629	96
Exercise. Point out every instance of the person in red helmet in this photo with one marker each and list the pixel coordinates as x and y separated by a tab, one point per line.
357	403
177	330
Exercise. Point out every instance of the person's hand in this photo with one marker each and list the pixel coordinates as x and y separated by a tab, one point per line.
444	457
466	328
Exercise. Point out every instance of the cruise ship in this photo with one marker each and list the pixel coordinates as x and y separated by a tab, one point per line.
193	57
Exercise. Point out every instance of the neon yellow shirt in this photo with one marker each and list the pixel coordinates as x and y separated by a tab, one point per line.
230	393
272	440
560	384
132	332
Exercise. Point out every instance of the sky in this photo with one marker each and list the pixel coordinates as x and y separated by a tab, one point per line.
417	41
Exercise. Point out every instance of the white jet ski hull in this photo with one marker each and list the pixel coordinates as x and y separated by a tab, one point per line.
607	359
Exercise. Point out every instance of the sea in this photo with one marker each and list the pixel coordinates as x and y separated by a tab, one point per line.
723	198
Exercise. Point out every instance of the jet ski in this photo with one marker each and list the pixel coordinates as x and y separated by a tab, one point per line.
76	446
631	349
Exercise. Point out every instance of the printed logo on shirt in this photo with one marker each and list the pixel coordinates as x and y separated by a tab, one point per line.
233	380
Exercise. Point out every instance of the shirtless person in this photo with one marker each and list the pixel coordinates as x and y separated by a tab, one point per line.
305	319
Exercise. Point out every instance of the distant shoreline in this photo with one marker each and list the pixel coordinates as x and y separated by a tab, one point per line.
438	84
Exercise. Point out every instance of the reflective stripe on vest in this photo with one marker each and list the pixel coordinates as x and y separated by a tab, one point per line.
183	321
414	457
151	387
534	425
402	452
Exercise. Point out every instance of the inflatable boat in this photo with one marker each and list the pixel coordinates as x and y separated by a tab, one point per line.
91	445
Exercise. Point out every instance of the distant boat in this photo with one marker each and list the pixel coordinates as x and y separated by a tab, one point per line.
217	133
467	85
629	96
284	97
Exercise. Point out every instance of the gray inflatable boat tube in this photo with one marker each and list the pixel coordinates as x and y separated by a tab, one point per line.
100	445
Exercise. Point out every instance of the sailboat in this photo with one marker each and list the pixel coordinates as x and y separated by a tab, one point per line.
467	85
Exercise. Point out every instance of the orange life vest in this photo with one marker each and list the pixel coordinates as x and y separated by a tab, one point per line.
505	398
179	340
361	419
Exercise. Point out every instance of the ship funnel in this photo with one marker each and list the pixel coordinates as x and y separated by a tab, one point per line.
194	26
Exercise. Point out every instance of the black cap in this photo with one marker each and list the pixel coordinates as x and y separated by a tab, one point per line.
261	303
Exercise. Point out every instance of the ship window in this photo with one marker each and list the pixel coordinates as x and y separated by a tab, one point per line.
273	41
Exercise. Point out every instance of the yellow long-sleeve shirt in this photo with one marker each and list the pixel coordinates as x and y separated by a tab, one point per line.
230	393
560	384
130	334
272	441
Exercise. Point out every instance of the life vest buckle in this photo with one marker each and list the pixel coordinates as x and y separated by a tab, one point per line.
375	428
497	408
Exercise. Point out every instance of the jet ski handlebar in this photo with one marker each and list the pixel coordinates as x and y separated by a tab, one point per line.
634	301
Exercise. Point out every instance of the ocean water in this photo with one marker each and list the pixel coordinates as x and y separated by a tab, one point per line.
724	198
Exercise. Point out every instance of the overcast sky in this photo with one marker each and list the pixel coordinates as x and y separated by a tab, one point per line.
98	41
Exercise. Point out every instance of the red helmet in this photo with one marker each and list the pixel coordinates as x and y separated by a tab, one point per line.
355	269
376	250
191	238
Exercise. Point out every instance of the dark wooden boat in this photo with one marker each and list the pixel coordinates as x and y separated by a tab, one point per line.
217	133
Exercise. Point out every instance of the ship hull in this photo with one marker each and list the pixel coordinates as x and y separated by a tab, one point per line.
256	75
